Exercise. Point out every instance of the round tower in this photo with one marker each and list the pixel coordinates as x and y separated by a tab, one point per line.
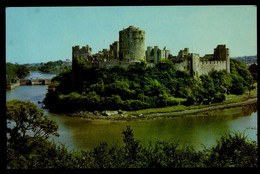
132	44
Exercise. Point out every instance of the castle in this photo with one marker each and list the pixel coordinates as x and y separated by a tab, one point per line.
131	49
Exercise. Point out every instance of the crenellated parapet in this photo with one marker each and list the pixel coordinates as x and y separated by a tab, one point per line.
131	49
85	51
197	65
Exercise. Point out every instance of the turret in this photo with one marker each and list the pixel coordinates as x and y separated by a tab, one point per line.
132	44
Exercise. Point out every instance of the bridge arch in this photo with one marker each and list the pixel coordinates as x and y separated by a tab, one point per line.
42	82
29	82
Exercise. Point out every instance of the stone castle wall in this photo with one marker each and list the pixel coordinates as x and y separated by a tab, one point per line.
132	44
114	49
153	55
84	52
206	66
131	49
195	65
182	66
218	61
112	63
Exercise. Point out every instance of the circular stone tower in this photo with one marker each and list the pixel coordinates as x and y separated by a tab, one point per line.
132	44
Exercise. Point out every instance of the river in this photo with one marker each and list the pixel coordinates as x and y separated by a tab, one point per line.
198	131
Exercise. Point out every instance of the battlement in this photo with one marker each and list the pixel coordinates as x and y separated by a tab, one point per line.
83	48
76	47
183	53
153	55
215	62
131	49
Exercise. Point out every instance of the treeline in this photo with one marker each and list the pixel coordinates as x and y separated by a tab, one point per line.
20	71
16	70
28	147
140	86
54	67
253	70
247	59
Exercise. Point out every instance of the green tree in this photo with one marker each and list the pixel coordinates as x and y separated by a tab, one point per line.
16	70
253	70
239	68
28	129
238	86
209	86
132	146
29	121
233	150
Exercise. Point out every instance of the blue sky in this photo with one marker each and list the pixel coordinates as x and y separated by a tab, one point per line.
41	34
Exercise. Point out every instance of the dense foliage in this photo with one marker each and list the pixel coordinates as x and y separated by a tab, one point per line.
27	131
253	70
16	70
49	67
28	147
140	86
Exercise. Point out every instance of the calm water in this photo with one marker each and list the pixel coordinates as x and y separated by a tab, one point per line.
81	134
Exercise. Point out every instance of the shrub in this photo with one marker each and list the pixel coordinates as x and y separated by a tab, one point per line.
219	97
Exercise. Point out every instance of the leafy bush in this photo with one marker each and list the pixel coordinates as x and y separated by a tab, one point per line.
233	150
16	70
219	97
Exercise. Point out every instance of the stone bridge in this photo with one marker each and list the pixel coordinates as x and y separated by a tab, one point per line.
35	81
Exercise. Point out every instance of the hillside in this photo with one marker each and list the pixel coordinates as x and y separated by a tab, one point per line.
247	59
140	87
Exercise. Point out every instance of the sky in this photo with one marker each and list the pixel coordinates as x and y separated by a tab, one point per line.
42	34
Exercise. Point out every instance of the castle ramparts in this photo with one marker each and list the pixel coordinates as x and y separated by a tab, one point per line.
131	49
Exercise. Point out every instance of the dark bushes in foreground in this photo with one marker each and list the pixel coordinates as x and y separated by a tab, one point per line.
232	150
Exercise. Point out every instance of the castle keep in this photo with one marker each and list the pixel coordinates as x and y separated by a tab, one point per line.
131	49
132	45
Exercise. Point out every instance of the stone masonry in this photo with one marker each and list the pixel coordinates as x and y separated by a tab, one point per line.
131	49
153	55
197	65
132	44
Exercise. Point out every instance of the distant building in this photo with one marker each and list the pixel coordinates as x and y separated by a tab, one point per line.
67	62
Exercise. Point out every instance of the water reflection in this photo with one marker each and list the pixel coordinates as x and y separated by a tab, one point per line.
196	131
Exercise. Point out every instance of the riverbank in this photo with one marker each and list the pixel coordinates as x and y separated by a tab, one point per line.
167	112
12	85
